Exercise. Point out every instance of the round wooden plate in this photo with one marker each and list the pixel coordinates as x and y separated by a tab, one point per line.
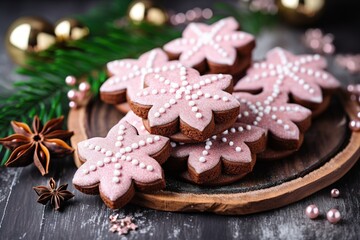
330	149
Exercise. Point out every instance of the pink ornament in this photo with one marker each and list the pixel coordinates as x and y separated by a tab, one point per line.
335	193
84	87
312	211
72	94
70	80
333	216
73	104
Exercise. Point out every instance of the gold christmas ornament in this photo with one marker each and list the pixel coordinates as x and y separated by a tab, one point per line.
69	29
301	12
145	11
28	35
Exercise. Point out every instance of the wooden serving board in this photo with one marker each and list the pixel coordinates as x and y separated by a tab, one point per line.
330	149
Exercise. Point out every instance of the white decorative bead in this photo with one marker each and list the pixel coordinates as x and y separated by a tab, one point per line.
92	168
157	138
202	159
135	162
238	149
149	168
116	179
149	140
198	115
117	166
117	173
100	163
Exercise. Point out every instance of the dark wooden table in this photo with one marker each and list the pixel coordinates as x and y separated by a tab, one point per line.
86	217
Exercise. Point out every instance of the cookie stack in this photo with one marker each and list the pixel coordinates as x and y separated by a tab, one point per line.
184	111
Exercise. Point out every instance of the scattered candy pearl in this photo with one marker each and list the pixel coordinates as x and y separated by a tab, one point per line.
333	216
312	211
70	80
335	193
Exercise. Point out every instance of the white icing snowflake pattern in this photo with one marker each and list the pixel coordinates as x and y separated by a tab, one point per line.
272	112
115	161
302	76
186	95
229	146
217	43
129	74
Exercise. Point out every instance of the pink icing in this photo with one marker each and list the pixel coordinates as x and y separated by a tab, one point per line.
302	75
229	145
216	43
270	110
136	121
118	159
129	74
184	93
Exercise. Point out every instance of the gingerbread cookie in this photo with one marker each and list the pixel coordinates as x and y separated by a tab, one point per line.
285	122
121	162
233	152
137	122
127	75
183	101
218	47
302	77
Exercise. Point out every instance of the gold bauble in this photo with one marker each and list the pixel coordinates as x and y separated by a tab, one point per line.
301	12
145	11
68	29
28	35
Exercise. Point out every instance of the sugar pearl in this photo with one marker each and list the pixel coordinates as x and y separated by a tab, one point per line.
333	216
149	168
335	193
312	211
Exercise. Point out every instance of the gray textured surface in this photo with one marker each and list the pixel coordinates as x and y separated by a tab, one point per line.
85	217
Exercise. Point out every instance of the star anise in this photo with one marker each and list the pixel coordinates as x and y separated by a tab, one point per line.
37	145
56	196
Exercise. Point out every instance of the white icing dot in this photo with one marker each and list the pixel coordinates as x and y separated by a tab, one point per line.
207	95
224	139
205	153
225	99
118	144
279	121
198	115
91	146
157	114
149	140
238	149
157	138
113	160
123	157
142	165
248	127
106	160
100	163
286	127
135	145
202	159
128	158
135	162
216	97
154	92
92	168
116	179
162	110
117	166
231	143
98	148
85	171
120	138
191	103
141	143
108	153
149	168
194	109
128	149
117	173
122	127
